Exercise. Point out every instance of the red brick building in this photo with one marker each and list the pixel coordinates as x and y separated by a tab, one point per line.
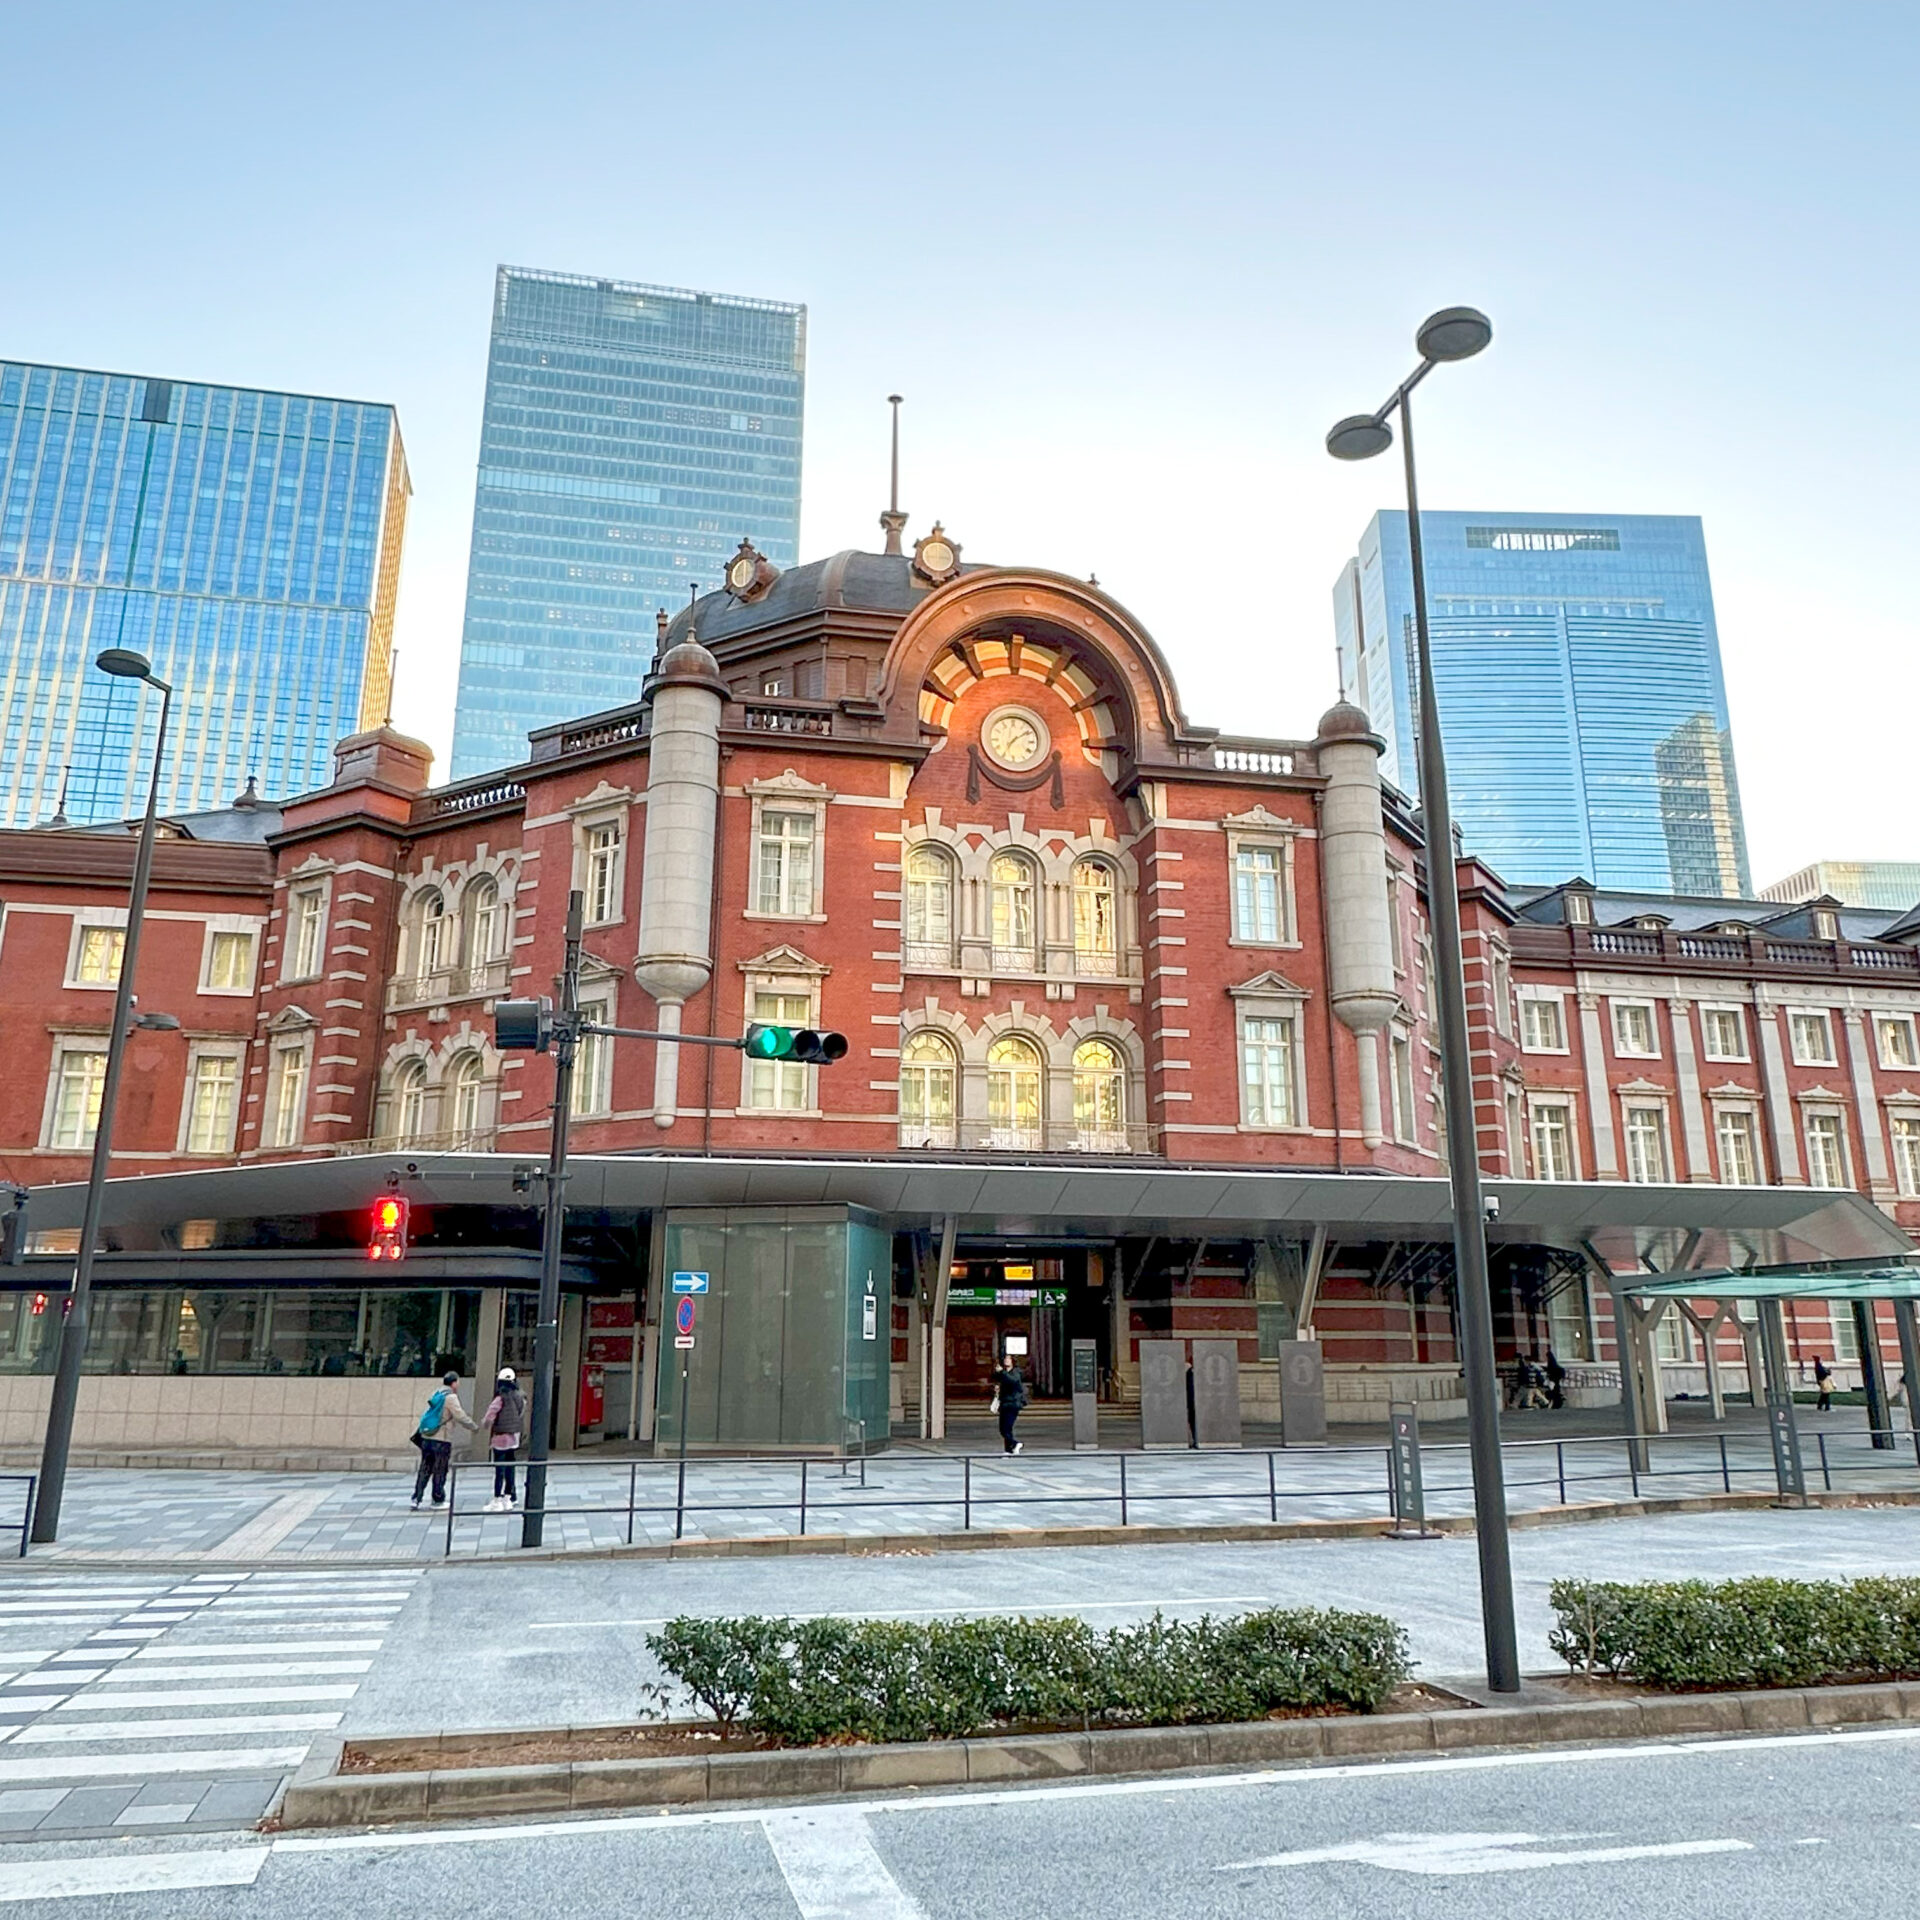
1137	1013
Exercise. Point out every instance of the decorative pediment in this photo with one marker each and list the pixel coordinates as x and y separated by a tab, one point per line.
789	785
592	967
784	959
1259	820
604	797
312	867
1271	985
1733	1090
1644	1086
292	1020
1819	1093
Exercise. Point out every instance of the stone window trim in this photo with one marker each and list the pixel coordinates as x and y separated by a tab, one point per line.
1261	829
209	1049
603	811
459	885
1272	996
1739	1011
1796	1015
251	925
1500	986
1826	1106
313	878
1557	996
1619	1004
1405	1125
66	1042
440	1059
86	920
783	970
1396	932
1748	1108
1881	1018
1566	1103
788	792
293	1029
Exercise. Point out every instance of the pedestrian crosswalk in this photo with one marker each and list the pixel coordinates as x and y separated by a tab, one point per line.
130	1704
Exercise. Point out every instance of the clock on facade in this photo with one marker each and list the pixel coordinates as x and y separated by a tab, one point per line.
1014	737
936	558
750	573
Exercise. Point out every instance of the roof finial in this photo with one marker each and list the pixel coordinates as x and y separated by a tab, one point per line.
893	522
60	812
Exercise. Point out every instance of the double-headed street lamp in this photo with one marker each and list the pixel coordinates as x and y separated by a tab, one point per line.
123	664
1455	333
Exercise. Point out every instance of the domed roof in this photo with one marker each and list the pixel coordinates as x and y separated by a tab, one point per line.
687	665
1344	721
865	582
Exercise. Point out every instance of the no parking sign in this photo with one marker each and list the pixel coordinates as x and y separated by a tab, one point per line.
683	1312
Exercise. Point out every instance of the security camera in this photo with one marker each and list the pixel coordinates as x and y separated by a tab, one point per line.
1491	1205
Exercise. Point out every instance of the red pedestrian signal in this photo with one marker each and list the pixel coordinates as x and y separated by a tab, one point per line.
389	1241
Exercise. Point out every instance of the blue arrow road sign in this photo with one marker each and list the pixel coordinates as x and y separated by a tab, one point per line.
689	1283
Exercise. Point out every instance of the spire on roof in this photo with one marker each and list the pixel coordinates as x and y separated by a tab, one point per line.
249	795
893	522
60	812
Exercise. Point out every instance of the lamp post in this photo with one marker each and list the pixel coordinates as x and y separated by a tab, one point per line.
1455	333
123	664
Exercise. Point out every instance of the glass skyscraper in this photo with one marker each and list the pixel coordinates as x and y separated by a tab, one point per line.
633	436
1577	668
260	579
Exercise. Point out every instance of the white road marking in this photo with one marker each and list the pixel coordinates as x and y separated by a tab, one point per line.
238	1670
1450	1853
1735	1744
128	1633
202	1697
33	1656
232	1649
136	1766
95	1879
945	1613
63	1735
90	1654
832	1868
272	1524
66	1677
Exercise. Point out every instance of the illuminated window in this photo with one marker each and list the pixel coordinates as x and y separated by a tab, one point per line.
101	951
1096	930
1013	1093
1014	887
80	1077
211	1103
1100	1097
929	904
928	1083
230	962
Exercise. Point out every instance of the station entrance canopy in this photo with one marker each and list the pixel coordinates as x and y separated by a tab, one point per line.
1708	1230
1792	1283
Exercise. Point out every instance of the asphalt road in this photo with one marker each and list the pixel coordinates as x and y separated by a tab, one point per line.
1766	1827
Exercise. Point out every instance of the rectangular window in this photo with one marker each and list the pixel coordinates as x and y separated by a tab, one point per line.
786	863
1826	1151
1541	1027
1552	1140
1812	1038
603	874
1739	1148
1402	1085
212	1103
98	961
1267	1076
1723	1033
289	1093
1846	1334
1898	1047
1396	940
1906	1153
1633	1030
306	932
779	1085
1502	987
230	963
1516	1136
1569	1328
80	1078
1646	1129
593	1065
1262	895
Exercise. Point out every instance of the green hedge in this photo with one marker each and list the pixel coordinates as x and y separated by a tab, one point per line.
1739	1633
800	1682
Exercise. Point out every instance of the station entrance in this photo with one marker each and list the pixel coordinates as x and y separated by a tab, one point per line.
1029	1305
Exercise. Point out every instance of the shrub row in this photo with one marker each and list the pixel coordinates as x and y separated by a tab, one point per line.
1739	1633
801	1682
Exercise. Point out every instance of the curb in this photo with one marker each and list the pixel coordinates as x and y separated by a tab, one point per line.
761	1546
320	1796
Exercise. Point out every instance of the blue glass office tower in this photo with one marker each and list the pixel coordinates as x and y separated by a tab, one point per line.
1577	668
633	436
248	543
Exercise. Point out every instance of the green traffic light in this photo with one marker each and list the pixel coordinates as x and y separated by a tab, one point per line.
769	1043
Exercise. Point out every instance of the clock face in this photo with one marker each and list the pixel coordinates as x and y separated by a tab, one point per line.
1015	739
936	556
741	573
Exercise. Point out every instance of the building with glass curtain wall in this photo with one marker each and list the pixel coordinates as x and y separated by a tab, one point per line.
634	435
1578	672
261	584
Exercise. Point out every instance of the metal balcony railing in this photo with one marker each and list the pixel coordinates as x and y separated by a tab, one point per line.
485	980
987	1136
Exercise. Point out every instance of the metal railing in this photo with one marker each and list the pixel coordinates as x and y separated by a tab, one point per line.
482	980
30	1482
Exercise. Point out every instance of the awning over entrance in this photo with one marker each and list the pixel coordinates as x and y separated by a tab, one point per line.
1712	1228
1878	1283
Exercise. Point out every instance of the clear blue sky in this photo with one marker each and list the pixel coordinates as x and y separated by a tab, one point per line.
1126	263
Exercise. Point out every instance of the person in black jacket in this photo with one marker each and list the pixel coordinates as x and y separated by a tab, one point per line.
1010	1395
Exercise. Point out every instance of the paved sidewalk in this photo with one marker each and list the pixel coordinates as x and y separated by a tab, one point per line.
131	1517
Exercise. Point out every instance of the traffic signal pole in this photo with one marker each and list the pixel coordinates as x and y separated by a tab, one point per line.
546	1339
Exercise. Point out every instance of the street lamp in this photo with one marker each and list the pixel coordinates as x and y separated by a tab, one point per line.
1455	333
123	664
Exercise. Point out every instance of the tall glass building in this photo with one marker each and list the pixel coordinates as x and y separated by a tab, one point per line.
1577	668
633	437
248	543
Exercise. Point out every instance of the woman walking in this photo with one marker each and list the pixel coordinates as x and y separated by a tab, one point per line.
1009	1396
506	1420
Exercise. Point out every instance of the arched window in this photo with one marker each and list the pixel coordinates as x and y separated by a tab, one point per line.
1096	918
486	922
1013	1093
929	908
436	933
928	1087
468	1081
410	1103
1015	927
1099	1097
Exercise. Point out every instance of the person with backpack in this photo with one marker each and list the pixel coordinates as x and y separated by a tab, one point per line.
1822	1385
506	1419
1009	1396
434	1438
